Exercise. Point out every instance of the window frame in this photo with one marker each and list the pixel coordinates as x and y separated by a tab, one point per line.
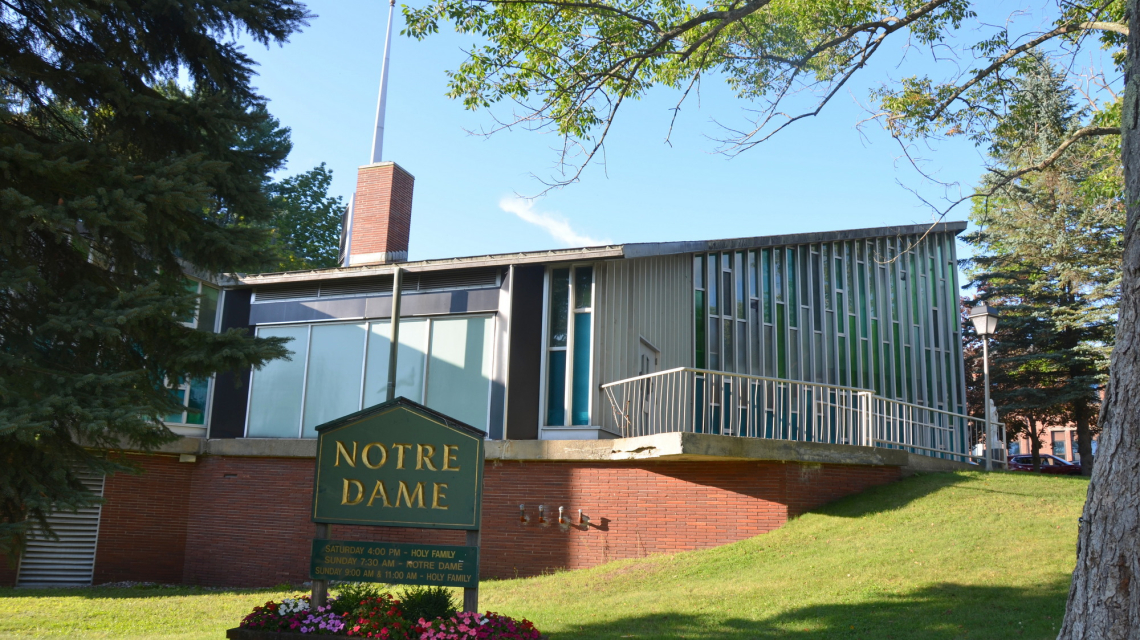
568	391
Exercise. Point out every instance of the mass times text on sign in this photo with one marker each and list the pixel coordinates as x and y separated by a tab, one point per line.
399	464
395	563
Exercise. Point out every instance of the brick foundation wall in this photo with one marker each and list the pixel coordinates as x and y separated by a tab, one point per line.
245	521
7	573
142	527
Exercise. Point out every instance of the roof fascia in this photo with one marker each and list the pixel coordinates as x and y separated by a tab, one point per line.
647	249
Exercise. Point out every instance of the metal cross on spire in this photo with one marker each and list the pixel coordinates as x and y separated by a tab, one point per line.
378	135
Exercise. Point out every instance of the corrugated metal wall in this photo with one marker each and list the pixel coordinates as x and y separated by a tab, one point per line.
648	298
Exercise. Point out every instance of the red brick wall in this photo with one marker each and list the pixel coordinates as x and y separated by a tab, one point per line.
382	213
245	521
7	573
249	522
249	517
142	527
635	509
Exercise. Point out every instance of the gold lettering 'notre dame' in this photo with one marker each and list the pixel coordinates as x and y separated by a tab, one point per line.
408	497
374	455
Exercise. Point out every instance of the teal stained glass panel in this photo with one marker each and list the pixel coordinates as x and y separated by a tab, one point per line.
556	389
580	380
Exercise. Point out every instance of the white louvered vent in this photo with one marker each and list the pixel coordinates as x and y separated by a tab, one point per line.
430	281
70	560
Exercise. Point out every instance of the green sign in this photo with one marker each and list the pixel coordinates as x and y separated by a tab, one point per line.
399	464
393	563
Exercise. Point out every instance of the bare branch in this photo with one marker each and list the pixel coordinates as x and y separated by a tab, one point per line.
1014	52
1105	26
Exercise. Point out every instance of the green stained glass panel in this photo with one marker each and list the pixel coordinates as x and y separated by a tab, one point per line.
196	402
793	291
699	318
781	343
843	361
766	266
712	284
728	350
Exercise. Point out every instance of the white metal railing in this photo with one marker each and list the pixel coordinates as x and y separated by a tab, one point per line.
703	401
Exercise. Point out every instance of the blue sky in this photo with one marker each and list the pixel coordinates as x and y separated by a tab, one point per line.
820	175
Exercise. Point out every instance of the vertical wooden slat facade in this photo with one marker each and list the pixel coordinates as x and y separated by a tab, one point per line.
635	299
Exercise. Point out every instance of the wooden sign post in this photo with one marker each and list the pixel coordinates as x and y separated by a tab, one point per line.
398	464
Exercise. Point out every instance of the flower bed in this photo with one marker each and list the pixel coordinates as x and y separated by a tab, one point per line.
367	614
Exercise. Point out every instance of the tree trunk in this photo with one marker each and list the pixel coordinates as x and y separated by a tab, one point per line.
1035	443
1084	436
1104	599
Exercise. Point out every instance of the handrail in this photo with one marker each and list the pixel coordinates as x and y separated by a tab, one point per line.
735	375
746	405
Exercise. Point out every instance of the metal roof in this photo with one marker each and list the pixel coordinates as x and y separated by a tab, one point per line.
607	252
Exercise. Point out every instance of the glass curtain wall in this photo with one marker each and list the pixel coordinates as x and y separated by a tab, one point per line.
340	368
569	342
863	313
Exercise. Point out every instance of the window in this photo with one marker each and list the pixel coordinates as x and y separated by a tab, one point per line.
194	395
569	346
338	368
1059	438
206	316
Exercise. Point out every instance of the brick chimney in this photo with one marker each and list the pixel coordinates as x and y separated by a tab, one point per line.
381	218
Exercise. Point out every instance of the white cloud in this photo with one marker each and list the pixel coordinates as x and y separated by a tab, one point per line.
554	224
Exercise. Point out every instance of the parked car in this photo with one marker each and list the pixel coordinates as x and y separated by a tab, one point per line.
1049	464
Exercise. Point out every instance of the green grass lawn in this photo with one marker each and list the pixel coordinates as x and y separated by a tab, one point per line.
963	555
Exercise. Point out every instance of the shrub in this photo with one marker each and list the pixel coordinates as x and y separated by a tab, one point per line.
428	603
471	626
379	617
350	594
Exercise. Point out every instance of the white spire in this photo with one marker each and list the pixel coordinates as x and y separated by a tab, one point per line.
378	136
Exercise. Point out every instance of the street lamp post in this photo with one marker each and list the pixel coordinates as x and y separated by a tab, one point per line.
985	320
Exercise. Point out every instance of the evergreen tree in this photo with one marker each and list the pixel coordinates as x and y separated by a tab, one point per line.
113	181
306	221
1048	252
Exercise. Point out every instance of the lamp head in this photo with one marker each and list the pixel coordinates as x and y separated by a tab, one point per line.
985	319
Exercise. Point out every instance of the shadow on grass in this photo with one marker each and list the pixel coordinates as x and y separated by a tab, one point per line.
941	612
891	497
139	591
